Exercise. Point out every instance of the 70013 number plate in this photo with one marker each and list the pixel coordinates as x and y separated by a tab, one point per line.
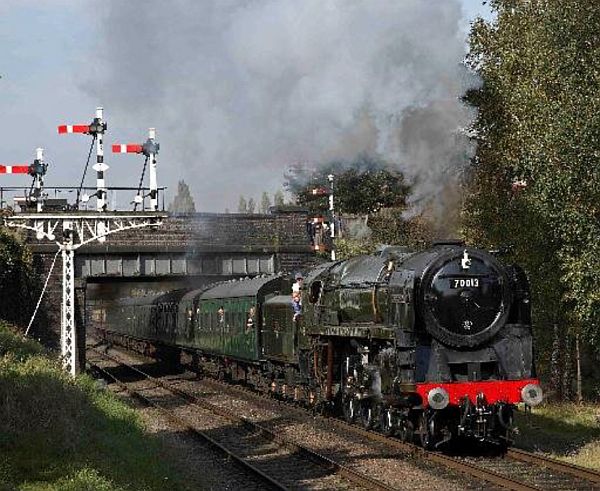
464	283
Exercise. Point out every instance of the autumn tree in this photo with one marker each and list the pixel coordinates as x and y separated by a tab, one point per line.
536	176
183	201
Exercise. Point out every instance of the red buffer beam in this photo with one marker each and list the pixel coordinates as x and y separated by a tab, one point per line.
73	128
14	169
127	148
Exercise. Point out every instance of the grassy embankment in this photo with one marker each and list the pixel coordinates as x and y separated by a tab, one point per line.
57	433
568	432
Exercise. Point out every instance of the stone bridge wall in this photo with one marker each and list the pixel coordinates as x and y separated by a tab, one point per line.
204	246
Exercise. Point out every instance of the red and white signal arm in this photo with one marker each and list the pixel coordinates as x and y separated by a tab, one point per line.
73	128
14	169
127	148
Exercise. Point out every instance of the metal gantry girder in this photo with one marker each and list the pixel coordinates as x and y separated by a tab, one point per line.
70	232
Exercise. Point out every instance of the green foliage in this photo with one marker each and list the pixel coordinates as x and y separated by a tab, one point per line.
242	205
57	432
346	248
390	226
265	202
84	479
17	280
11	341
567	432
539	120
183	201
365	185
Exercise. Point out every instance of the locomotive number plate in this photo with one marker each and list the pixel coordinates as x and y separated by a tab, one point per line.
464	282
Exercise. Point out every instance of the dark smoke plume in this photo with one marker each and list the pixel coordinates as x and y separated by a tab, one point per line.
239	90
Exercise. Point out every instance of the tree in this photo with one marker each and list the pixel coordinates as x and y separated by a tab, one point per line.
278	199
242	205
265	203
362	186
251	205
183	201
365	186
538	125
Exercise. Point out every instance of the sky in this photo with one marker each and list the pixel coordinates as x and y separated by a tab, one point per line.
237	90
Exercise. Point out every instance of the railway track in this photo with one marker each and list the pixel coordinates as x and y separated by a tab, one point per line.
517	470
278	462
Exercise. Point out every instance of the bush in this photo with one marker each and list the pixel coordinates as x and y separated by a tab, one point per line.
17	280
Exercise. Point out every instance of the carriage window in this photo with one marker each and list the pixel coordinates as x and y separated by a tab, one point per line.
315	292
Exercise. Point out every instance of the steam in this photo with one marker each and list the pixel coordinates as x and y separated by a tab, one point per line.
239	90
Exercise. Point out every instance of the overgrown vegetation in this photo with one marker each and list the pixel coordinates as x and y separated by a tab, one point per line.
60	433
17	279
536	174
564	431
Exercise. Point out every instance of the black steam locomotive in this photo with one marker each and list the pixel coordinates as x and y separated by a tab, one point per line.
430	345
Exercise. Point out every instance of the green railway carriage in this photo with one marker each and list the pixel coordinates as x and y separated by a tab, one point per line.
153	317
225	320
229	315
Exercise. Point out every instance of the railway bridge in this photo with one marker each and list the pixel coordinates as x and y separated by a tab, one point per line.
187	250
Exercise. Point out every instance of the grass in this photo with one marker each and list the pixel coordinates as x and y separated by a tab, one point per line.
59	433
569	432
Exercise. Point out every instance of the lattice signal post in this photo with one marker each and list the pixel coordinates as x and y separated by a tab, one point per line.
72	230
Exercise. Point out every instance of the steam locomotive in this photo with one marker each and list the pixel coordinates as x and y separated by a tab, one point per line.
431	346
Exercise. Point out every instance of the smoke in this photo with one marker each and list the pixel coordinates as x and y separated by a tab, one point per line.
239	90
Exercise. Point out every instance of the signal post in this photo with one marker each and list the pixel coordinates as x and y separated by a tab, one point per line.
72	230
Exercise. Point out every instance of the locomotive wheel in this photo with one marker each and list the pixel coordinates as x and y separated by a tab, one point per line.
406	431
386	422
366	415
427	431
349	409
